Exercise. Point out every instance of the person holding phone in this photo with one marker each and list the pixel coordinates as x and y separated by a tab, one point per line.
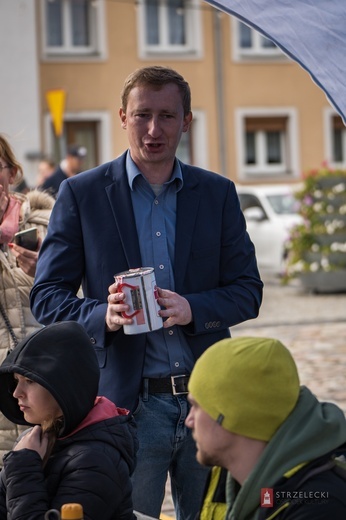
18	212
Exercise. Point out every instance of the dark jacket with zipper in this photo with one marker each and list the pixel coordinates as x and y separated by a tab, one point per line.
314	432
95	452
302	467
315	492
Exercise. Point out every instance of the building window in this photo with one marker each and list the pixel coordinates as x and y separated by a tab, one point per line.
265	139
185	147
169	27
193	147
267	144
72	28
334	139
338	141
165	23
250	44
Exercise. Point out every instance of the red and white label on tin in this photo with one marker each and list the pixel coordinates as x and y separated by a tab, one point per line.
140	290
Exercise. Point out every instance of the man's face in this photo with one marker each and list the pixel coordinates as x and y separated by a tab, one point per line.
154	120
212	441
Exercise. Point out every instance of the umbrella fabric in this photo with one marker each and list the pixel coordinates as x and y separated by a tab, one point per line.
311	32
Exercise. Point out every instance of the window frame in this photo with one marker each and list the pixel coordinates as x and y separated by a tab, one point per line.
193	30
329	114
97	29
256	51
289	144
199	142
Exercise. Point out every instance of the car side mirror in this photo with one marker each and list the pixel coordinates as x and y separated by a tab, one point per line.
254	214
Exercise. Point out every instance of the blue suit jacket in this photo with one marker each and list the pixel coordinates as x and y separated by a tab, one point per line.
92	236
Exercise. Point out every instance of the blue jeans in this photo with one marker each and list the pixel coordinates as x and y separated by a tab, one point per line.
166	445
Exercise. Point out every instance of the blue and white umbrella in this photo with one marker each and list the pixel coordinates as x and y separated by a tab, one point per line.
311	32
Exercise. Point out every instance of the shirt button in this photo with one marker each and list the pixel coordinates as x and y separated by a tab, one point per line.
93	340
158	233
161	266
177	364
156	201
170	332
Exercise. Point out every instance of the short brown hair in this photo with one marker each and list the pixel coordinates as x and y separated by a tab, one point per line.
156	76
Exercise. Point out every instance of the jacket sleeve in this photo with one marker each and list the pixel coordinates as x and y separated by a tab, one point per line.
25	487
97	482
222	264
3	509
60	268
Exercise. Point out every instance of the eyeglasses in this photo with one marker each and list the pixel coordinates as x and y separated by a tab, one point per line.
3	167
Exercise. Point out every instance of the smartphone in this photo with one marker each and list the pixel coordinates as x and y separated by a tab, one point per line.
27	238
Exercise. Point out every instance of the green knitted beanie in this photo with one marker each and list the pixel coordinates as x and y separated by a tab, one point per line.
249	385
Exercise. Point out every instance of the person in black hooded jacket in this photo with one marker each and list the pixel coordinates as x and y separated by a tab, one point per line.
81	447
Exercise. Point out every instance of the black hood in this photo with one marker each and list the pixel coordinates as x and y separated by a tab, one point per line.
61	358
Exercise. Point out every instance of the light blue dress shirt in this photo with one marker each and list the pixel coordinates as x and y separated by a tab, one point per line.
167	351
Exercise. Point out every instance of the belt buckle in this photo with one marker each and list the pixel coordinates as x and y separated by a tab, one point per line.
173	378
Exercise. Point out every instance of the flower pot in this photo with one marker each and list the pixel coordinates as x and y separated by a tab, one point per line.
324	281
329	181
330	217
328	240
336	259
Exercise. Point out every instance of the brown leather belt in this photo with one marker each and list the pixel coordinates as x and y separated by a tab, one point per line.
176	385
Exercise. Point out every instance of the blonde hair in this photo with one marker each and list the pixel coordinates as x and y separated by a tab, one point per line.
7	154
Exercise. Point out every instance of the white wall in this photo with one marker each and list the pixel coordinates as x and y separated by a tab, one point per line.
19	82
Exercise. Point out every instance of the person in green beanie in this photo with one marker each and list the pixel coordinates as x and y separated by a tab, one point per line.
283	449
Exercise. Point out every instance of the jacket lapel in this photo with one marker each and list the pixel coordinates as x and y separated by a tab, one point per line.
187	208
119	196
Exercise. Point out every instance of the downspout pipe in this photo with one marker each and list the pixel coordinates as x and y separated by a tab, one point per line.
219	88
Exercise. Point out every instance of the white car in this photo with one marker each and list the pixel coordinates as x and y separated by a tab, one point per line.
270	212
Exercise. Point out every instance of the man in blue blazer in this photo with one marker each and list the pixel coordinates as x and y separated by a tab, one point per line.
146	208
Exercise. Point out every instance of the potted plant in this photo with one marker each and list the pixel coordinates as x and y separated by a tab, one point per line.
317	247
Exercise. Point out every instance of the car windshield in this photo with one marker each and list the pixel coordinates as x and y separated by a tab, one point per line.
283	203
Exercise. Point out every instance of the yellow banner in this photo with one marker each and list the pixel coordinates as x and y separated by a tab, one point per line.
56	104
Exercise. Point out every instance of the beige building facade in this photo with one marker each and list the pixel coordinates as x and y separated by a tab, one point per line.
258	116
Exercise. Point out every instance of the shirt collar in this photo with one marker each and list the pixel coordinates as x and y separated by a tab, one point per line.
133	171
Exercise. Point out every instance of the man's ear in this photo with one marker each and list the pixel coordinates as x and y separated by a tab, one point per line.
187	122
123	118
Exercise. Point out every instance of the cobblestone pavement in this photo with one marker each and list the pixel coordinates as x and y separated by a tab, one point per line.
313	328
